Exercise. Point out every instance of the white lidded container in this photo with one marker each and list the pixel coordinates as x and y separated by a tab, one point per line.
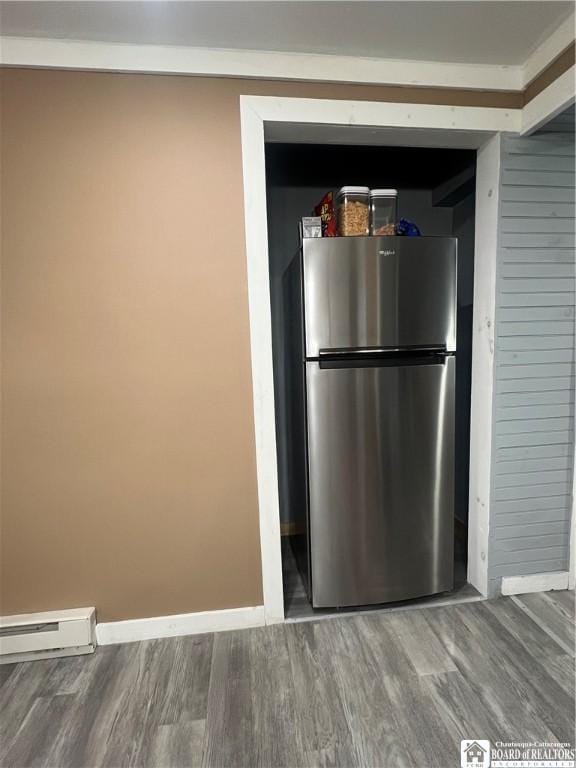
383	211
352	206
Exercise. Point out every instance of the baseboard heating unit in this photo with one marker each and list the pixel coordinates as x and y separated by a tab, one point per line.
47	635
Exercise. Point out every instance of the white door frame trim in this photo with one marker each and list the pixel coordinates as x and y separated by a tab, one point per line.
255	111
488	163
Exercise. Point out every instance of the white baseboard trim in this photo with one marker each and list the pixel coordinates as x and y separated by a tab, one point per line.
109	633
536	582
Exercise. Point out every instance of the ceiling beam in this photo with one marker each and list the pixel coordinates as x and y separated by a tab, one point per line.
266	65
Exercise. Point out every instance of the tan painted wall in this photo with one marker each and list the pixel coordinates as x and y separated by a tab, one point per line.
129	478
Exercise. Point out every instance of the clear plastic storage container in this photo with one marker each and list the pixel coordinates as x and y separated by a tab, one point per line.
383	211
352	205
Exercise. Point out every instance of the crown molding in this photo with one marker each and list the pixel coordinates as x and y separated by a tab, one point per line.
549	50
120	57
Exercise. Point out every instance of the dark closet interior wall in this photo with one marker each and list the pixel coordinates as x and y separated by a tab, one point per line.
298	175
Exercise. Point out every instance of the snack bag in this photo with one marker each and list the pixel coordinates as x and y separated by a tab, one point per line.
325	209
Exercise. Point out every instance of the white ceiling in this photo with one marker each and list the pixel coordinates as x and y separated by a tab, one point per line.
488	32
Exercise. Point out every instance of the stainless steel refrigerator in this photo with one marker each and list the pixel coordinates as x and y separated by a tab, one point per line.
375	332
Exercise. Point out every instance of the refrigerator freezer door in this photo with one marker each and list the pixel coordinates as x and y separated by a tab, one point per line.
379	292
381	481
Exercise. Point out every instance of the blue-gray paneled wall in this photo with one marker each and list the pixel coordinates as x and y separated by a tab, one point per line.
533	449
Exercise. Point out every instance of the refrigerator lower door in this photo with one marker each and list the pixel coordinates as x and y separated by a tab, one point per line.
381	481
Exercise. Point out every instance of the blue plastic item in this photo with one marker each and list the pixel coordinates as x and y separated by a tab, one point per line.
406	228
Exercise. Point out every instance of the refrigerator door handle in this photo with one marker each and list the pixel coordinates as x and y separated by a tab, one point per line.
381	358
379	351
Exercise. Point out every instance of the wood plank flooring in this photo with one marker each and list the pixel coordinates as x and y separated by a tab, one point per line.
377	690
